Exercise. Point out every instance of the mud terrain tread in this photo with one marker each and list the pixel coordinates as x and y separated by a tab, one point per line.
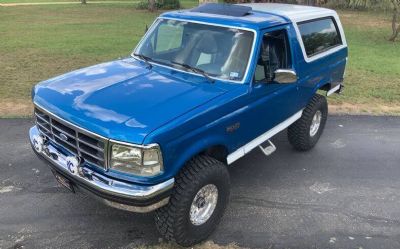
298	132
169	219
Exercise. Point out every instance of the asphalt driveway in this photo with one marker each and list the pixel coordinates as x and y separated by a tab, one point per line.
342	194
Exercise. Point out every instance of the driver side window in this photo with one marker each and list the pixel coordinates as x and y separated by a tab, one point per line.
274	54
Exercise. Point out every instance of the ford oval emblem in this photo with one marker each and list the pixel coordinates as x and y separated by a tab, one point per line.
63	137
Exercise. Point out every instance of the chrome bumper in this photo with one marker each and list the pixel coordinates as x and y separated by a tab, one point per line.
118	194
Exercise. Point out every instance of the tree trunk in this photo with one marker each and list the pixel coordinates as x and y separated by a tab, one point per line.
395	26
152	5
395	34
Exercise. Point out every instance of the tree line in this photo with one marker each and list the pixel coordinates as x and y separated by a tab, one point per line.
151	5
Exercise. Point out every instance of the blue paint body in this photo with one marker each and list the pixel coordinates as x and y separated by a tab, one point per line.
185	114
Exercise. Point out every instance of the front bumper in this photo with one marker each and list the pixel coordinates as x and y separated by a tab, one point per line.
115	193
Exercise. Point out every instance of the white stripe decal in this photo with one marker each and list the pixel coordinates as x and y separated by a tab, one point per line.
264	137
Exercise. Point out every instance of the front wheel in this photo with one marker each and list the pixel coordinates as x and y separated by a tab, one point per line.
305	132
197	202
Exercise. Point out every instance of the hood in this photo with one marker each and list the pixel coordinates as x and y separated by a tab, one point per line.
123	100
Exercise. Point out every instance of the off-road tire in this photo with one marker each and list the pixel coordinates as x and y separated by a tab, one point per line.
173	220
299	132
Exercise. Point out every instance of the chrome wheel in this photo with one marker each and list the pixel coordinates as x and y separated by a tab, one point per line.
203	204
315	123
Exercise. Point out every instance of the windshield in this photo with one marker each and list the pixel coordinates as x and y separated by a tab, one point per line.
219	52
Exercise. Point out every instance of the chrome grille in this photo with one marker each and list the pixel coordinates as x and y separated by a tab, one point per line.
90	147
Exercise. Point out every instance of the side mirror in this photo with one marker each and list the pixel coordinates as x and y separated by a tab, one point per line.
285	76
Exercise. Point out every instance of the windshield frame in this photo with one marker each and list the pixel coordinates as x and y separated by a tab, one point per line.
251	56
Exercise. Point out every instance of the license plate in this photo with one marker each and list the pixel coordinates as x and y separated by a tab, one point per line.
64	181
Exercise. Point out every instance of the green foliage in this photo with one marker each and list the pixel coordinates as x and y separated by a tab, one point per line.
360	4
142	5
160	4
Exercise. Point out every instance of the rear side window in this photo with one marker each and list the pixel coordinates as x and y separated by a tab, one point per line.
319	35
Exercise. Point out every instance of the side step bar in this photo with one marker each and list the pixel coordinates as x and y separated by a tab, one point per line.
269	149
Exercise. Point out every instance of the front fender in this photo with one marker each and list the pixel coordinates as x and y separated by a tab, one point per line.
198	130
179	151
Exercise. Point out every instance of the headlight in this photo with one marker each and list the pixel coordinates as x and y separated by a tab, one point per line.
141	161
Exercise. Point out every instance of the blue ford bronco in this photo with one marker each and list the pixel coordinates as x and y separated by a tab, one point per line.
204	87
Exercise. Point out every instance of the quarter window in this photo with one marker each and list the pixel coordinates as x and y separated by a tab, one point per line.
319	35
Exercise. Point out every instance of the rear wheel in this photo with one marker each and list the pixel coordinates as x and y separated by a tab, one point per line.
197	203
305	132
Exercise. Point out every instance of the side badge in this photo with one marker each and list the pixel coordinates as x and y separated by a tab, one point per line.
233	127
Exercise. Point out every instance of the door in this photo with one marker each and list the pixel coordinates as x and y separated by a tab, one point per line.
270	102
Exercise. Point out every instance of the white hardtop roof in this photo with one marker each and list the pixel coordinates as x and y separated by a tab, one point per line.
295	13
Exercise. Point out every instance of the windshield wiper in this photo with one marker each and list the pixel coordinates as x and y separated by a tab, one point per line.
145	59
195	70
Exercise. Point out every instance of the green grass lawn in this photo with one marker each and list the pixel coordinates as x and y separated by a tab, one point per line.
38	42
41	1
373	72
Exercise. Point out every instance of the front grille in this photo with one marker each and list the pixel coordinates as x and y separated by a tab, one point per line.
90	147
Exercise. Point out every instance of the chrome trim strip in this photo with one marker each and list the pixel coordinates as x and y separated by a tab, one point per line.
262	138
147	146
90	145
91	155
100	182
41	118
251	57
44	128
